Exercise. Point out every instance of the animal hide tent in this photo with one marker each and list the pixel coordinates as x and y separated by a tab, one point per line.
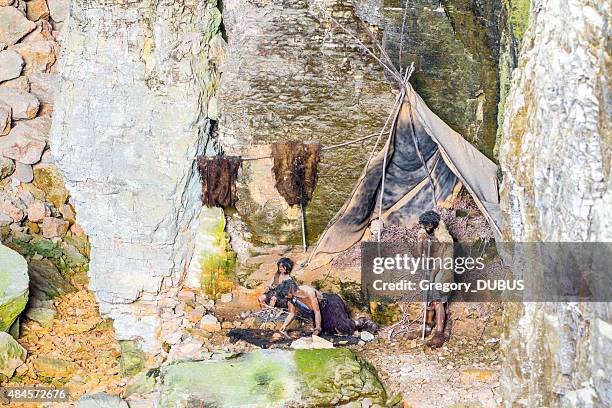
425	161
295	170
219	174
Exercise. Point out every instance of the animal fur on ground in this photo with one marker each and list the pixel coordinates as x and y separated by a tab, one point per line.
295	170
219	175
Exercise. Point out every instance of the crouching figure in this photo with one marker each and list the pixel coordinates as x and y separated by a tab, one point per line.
328	311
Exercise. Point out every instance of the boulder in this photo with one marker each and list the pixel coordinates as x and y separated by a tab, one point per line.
20	83
45	277
43	86
313	342
54	227
73	256
133	359
39	55
366	336
77	230
24	105
7	167
59	9
48	179
143	383
11	206
53	367
37	211
321	378
12	355
13	286
68	213
36	9
22	145
24	172
11	64
5	119
14	26
42	315
42	32
210	323
101	400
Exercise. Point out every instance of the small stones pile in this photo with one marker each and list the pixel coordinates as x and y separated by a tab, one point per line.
36	217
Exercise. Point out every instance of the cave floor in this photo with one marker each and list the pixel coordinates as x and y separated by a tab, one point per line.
463	373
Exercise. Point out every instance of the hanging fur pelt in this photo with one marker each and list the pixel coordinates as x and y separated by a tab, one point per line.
219	175
295	170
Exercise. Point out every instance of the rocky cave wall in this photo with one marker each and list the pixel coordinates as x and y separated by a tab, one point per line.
290	73
132	111
555	155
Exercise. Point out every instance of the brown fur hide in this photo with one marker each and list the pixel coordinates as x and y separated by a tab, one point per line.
219	175
295	170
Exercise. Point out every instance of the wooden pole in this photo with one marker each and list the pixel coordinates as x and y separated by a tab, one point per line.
303	226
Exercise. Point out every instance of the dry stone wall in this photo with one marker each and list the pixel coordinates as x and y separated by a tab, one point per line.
37	216
555	156
131	114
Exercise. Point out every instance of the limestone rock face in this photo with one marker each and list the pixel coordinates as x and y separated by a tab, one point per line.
125	146
286	77
290	73
555	156
13	286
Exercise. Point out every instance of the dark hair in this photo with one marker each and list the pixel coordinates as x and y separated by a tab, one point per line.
430	217
287	263
286	287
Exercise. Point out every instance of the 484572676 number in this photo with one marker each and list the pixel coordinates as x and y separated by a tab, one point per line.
33	394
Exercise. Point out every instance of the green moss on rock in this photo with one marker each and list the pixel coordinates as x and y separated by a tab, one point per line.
13	286
272	378
48	179
133	359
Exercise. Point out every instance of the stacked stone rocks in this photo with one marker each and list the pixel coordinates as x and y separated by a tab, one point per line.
36	217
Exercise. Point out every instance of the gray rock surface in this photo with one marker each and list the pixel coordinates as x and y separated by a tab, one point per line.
11	64
555	155
24	172
129	167
7	167
12	355
59	9
101	400
5	119
46	278
23	144
264	378
23	104
13	286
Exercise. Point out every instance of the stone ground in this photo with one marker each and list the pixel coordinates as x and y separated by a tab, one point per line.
463	373
77	351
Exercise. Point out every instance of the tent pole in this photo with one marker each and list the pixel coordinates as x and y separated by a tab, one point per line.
303	226
384	166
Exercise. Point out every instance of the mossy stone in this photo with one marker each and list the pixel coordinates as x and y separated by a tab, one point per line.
272	378
133	359
13	286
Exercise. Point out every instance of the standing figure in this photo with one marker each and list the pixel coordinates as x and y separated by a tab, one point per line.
435	243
